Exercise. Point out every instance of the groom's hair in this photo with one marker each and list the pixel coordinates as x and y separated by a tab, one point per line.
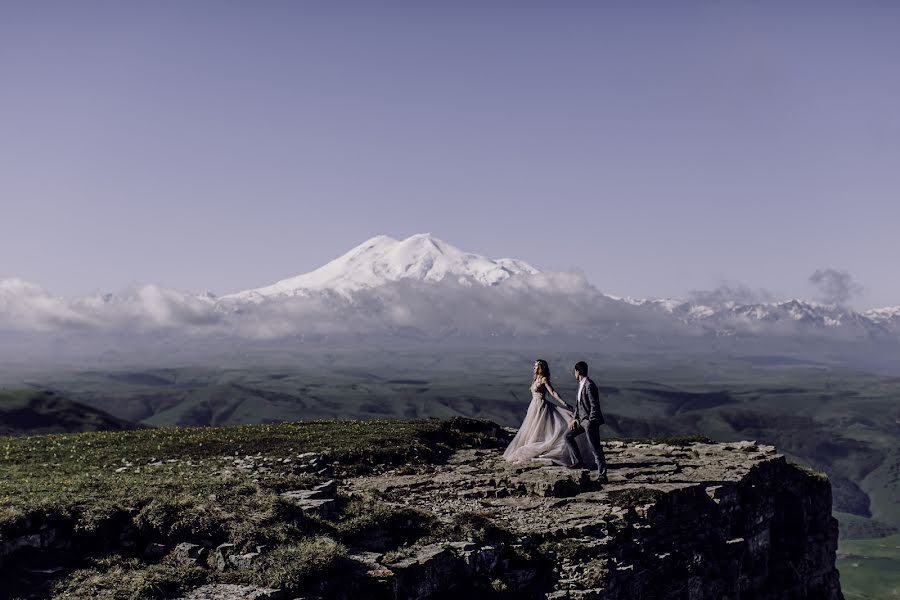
581	367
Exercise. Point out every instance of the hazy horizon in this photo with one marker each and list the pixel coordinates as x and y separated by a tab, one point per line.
657	149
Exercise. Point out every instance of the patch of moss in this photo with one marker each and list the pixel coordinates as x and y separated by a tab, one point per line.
118	578
564	550
477	527
377	526
593	573
634	496
808	470
294	565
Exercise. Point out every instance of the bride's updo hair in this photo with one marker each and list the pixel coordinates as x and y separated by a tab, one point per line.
543	369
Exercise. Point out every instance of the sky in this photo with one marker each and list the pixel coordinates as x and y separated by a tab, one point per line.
658	148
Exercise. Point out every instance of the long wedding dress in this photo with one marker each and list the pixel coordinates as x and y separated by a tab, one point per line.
541	436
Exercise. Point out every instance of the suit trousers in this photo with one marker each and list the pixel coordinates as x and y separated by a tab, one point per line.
593	436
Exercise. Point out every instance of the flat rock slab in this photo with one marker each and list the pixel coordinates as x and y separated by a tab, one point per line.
225	591
308	502
535	497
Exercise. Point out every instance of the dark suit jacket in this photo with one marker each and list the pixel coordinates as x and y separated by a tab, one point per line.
587	405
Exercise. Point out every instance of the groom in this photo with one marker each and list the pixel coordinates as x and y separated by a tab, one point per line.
588	419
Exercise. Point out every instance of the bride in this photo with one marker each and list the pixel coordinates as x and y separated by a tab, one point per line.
542	434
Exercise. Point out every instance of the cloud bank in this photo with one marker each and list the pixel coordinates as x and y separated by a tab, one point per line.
535	304
835	287
545	305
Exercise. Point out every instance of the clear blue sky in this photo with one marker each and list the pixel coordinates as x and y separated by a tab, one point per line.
659	148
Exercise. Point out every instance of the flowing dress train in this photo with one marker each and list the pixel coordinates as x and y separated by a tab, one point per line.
541	436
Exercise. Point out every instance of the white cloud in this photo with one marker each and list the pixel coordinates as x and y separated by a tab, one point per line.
537	304
25	306
544	304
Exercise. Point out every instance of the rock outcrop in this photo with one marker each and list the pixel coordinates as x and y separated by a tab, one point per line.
227	591
700	521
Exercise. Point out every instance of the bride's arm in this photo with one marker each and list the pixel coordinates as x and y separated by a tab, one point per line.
554	394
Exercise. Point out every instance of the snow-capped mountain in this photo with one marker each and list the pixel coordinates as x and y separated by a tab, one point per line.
888	317
422	285
424	259
753	316
383	260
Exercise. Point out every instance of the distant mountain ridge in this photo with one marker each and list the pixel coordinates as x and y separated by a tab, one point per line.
878	322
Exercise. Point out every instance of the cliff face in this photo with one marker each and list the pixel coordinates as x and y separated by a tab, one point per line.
704	521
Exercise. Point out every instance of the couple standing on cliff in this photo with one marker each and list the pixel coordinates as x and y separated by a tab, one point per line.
553	433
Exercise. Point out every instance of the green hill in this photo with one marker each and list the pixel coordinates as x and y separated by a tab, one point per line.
870	569
34	411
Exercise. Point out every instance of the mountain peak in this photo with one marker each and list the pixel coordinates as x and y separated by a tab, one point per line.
377	240
421	236
384	259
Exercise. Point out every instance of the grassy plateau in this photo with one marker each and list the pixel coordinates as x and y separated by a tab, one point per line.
116	494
